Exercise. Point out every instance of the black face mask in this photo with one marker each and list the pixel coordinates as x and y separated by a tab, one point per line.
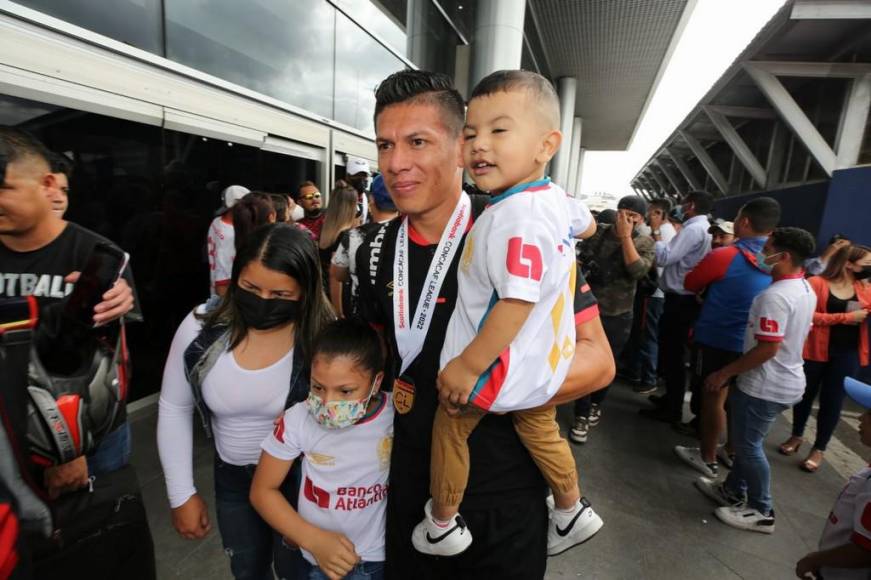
262	314
863	274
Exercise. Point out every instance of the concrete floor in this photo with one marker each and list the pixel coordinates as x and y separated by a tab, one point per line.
657	526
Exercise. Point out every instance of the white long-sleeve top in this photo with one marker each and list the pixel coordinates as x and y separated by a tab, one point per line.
243	403
682	253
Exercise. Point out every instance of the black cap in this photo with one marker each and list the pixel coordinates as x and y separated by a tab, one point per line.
633	203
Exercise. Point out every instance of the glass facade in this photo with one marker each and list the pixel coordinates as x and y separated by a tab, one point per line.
153	192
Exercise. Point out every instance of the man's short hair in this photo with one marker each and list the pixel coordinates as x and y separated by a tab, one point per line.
798	243
661	203
60	163
703	201
423	87
536	86
16	145
763	213
306	183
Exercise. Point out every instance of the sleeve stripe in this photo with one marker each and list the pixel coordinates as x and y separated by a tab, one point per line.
222	282
585	288
587	314
861	541
766	338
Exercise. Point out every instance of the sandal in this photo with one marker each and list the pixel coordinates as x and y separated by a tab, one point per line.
791	446
809	465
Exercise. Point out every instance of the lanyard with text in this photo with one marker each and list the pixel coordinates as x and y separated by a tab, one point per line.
411	332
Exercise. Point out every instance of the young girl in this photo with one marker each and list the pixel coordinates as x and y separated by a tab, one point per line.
344	432
240	366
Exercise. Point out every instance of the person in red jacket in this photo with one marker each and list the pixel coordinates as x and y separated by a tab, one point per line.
836	346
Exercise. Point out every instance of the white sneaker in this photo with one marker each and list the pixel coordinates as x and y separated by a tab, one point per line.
725	458
717	491
746	518
692	456
567	530
580	430
434	540
595	414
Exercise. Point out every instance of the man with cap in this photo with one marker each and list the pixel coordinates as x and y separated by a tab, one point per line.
221	241
343	269
357	173
614	260
722	234
845	546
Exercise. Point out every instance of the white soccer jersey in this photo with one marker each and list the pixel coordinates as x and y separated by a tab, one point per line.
344	474
782	313
850	521
520	247
580	216
222	250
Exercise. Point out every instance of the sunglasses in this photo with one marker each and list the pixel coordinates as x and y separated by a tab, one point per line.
311	196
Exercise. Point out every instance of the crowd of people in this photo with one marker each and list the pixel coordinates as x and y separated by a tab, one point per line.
379	371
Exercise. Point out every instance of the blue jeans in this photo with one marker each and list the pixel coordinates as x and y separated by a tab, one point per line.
362	571
751	419
644	359
113	453
251	544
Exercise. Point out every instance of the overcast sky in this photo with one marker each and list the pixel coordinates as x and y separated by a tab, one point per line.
716	34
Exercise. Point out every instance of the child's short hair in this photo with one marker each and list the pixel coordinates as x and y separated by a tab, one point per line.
351	338
539	88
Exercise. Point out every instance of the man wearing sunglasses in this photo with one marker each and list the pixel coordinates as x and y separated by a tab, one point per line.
309	198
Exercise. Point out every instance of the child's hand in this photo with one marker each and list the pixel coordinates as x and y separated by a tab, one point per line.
455	383
334	553
807	567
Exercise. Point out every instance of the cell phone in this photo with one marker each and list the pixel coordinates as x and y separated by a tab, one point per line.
104	268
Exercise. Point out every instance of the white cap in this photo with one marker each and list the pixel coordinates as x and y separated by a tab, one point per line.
234	193
356	165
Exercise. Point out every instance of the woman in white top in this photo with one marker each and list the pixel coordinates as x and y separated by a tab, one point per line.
240	366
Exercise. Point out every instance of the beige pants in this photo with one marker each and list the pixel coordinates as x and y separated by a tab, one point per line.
537	429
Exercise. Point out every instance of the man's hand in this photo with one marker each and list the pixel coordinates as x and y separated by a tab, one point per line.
624	225
807	567
857	316
716	381
117	302
656	220
191	519
455	383
334	553
66	477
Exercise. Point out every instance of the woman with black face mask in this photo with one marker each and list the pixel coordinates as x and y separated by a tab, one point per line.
836	346
240	366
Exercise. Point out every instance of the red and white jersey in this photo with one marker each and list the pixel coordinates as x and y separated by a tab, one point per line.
580	216
344	474
520	247
222	249
849	521
782	313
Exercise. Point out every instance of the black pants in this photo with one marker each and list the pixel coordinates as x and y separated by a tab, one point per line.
617	329
678	317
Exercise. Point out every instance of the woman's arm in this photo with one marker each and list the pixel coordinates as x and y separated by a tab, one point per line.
337	276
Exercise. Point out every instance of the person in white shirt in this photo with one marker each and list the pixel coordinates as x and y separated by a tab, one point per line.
221	241
344	435
680	309
770	379
240	366
510	340
845	546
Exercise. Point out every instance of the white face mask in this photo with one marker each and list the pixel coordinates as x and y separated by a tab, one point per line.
297	214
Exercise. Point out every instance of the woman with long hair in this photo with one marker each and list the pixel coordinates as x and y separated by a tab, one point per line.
341	216
240	366
251	212
836	346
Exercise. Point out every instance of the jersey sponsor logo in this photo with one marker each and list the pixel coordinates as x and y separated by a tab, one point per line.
403	396
36	285
321	459
468	248
768	325
385	446
358	498
278	432
316	495
524	260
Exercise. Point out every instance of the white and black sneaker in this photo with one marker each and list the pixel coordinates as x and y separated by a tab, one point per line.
595	414
430	538
692	456
716	490
580	430
746	518
569	529
726	458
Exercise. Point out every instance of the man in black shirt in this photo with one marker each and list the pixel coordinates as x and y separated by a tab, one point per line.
419	118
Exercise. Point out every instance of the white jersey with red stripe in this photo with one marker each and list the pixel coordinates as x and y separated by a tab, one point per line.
520	247
783	313
849	522
344	473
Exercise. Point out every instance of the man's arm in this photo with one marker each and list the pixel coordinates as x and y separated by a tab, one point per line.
675	250
712	268
753	358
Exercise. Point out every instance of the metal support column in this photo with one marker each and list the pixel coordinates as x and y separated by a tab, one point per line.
574	158
684	170
853	120
579	173
559	165
670	176
737	144
702	154
498	40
